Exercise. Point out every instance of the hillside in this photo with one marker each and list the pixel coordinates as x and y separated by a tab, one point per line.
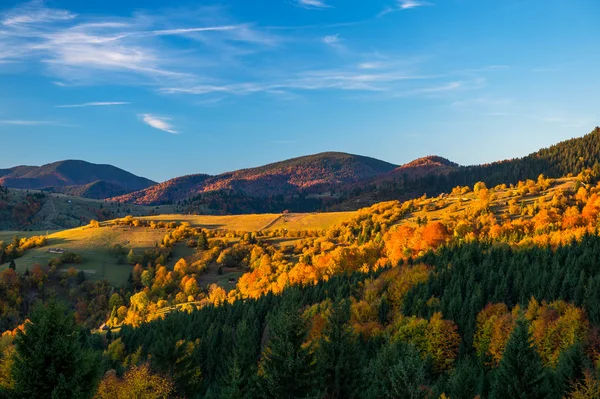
41	210
96	190
568	157
72	173
308	173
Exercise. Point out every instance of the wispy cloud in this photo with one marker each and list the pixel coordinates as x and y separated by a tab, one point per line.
404	5
93	104
183	51
371	65
351	80
408	4
159	122
35	13
24	122
138	50
332	39
312	4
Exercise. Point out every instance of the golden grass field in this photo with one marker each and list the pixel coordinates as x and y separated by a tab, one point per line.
94	244
257	222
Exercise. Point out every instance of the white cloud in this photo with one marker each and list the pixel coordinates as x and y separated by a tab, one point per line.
404	5
136	50
312	4
408	4
93	104
24	122
370	65
35	13
332	39
159	122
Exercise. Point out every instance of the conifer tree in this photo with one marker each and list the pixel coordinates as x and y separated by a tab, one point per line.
239	381
338	360
50	360
287	364
521	373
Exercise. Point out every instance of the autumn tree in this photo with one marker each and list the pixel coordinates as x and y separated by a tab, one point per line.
138	382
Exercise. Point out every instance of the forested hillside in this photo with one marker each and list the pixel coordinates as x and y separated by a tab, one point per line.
291	177
489	291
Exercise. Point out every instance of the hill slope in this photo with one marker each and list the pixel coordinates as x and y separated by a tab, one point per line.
568	157
72	173
288	177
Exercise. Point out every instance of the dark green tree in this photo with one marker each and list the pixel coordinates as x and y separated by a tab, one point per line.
240	377
397	372
287	364
571	367
12	264
202	241
51	361
521	373
338	360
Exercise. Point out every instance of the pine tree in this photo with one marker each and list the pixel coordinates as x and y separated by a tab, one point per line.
464	381
287	363
239	380
338	360
51	360
12	264
571	367
397	372
521	373
202	241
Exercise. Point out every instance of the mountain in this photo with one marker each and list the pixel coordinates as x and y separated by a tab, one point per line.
84	178
298	175
429	165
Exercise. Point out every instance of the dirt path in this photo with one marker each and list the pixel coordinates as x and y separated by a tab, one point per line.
272	222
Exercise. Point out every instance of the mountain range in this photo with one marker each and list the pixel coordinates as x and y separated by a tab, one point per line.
74	177
325	181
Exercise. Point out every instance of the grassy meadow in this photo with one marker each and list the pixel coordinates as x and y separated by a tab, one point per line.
94	244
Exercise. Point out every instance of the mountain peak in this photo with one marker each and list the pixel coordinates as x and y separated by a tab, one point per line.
429	161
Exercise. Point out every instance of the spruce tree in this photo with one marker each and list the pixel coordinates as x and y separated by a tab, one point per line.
240	377
12	264
51	361
287	365
521	373
397	372
338	360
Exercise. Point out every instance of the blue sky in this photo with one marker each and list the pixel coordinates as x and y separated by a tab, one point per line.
170	88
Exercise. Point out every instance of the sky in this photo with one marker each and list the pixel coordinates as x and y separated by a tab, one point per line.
164	89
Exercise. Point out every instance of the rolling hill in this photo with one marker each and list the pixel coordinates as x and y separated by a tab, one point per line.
305	174
84	178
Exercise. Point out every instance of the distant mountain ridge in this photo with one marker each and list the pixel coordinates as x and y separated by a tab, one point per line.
83	178
303	174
